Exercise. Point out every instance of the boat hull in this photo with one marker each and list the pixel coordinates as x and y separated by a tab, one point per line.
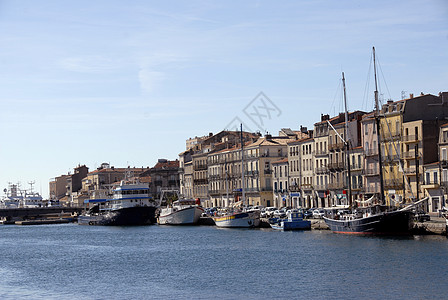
294	225
388	223
238	220
138	215
185	216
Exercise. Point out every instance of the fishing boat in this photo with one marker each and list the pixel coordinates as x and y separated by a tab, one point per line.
181	212
294	221
129	205
379	219
238	219
236	216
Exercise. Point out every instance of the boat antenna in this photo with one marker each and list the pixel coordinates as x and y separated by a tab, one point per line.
347	146
377	121
242	166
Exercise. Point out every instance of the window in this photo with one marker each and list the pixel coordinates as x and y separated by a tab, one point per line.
435	177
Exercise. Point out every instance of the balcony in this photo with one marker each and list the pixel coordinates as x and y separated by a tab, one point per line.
200	167
411	155
410	138
320	152
252	173
372	172
393	183
357	187
278	191
200	181
294	188
336	186
173	182
444	164
266	189
410	171
335	166
252	190
356	167
267	172
321	187
391	158
371	152
214	192
371	189
321	170
307	186
337	146
430	185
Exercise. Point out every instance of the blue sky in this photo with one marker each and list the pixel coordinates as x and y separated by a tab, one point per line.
127	82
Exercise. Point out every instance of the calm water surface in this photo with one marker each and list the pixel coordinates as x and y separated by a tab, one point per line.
84	262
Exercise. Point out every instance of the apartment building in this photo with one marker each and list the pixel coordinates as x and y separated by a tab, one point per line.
338	159
369	136
400	179
280	179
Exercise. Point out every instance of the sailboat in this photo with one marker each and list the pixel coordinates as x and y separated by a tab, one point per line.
235	217
379	219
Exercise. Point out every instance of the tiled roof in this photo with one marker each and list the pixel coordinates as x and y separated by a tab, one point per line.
167	164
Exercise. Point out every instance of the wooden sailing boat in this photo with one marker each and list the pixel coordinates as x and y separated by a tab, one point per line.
373	219
235	217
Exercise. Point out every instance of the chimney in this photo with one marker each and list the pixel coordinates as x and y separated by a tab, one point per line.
444	97
411	96
210	134
324	117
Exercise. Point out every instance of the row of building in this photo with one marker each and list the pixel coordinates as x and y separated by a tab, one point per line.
73	188
300	168
308	168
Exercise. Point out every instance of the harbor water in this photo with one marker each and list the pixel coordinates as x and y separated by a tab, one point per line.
69	261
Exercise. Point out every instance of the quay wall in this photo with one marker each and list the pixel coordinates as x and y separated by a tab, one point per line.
33	212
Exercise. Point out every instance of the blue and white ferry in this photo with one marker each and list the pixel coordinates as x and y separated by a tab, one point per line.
131	204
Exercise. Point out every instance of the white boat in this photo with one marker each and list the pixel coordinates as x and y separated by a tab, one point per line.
130	205
18	198
181	212
12	196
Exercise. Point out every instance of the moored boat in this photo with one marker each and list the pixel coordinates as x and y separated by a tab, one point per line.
130	205
376	220
372	219
181	212
294	221
238	219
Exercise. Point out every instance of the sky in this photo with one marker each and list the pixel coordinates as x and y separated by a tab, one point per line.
127	82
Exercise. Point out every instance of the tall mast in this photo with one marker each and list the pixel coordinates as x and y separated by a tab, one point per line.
347	146
377	121
242	167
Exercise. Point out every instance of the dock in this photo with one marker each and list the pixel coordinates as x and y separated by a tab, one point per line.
42	222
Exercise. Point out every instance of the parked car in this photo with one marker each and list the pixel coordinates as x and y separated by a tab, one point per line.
280	213
318	213
308	213
270	211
